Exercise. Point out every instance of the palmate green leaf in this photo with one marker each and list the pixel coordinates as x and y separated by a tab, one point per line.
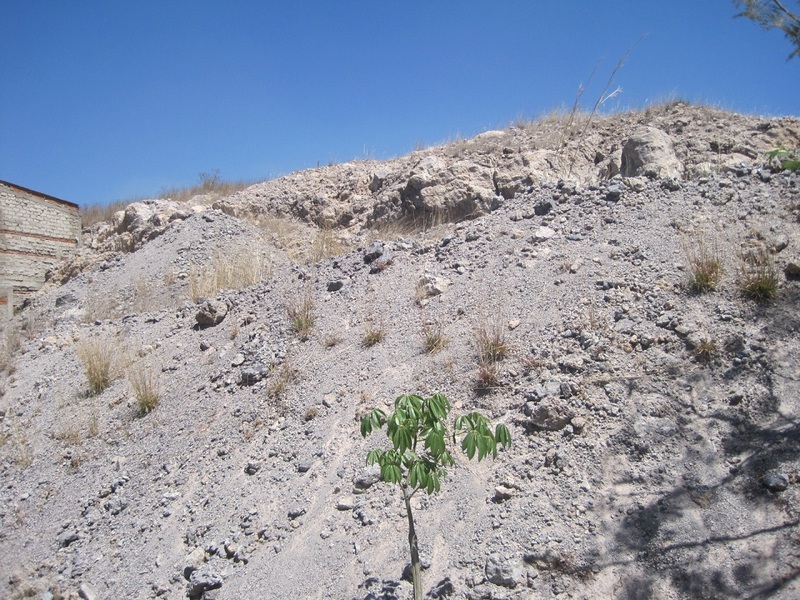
402	439
391	473
418	476
375	456
502	435
372	420
469	444
435	443
439	406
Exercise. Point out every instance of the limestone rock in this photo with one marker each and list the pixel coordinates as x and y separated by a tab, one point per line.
649	152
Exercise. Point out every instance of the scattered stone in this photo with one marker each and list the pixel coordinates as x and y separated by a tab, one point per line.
211	312
335	286
88	592
252	467
252	375
503	493
649	152
613	193
775	481
202	581
374	252
65	538
433	285
193	561
296	511
345	503
502	572
542	234
550	415
792	271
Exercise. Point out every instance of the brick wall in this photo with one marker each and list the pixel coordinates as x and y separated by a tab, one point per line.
36	232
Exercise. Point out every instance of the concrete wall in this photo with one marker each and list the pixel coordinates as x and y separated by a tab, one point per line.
36	232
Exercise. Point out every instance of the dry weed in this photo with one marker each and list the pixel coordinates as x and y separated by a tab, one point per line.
758	275
209	183
490	338
326	245
301	313
433	338
97	357
282	377
705	263
232	271
488	376
146	388
374	332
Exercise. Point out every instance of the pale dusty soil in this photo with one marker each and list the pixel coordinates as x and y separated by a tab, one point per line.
653	486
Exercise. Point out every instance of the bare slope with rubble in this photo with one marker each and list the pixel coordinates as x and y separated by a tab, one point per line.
655	429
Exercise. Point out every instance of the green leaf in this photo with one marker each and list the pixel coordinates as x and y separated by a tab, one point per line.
502	435
391	473
469	444
374	456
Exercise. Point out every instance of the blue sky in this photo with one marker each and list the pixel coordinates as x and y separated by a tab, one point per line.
101	101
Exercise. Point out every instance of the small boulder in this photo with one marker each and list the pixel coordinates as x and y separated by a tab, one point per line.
775	481
202	581
550	415
649	152
211	312
506	573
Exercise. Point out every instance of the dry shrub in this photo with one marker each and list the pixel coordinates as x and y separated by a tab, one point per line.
146	387
98	213
758	275
232	271
301	313
374	332
97	357
705	264
326	245
10	343
281	378
433	338
208	183
488	376
490	338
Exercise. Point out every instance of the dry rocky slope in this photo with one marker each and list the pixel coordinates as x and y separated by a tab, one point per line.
656	441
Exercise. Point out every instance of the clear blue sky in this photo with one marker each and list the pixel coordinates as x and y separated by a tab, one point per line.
115	99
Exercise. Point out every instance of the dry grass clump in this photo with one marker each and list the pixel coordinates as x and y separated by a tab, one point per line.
232	271
97	357
374	332
433	338
98	213
488	376
10	343
705	264
758	275
490	338
326	245
208	183
301	313
282	377
146	387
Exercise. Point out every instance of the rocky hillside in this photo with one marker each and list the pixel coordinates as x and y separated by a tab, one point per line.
640	270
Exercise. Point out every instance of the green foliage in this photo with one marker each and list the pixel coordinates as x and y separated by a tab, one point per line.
770	14
789	160
417	429
418	432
